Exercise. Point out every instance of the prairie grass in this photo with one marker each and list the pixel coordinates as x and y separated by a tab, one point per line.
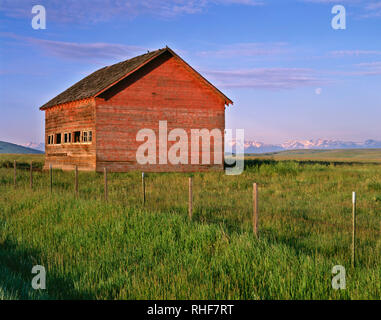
123	249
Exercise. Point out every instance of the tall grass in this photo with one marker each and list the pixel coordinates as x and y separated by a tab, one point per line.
126	250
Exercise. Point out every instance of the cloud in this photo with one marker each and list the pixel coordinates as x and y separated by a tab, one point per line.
92	11
265	78
332	1
373	10
359	69
376	64
341	53
369	9
368	68
374	5
247	49
87	52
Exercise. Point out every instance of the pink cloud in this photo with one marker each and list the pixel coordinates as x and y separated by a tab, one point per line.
266	78
248	49
91	11
341	53
88	52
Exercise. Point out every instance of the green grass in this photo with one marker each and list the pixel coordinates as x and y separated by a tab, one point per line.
124	250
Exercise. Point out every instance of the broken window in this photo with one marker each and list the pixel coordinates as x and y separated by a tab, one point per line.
50	139
77	136
67	137
58	138
84	136
90	138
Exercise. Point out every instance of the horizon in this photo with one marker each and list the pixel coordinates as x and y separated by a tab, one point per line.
35	145
290	74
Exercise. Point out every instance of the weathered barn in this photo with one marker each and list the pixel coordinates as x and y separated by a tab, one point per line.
94	123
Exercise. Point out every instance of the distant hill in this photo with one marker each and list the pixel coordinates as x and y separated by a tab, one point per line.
6	147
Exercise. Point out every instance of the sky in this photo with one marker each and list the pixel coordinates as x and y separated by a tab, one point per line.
290	74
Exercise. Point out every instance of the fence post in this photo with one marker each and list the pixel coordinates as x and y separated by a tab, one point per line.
51	178
14	173
76	181
31	174
255	209
106	188
353	227
143	188
190	204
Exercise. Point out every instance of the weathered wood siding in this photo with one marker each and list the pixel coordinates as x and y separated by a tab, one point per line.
70	117
164	89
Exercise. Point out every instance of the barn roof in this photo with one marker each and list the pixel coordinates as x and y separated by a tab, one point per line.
102	79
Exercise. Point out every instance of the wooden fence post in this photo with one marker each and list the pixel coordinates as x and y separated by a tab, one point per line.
14	173
255	209
31	174
76	181
353	227
106	187
143	188
51	178
190	204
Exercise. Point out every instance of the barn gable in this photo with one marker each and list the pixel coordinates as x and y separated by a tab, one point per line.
176	78
103	79
164	90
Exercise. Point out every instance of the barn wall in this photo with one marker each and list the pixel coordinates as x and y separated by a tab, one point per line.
161	90
70	117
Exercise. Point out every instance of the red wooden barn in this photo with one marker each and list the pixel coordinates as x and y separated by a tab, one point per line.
94	123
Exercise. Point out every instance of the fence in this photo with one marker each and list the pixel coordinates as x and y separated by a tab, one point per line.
255	199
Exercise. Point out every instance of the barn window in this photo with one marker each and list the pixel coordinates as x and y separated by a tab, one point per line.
67	137
50	139
84	136
77	136
87	136
58	138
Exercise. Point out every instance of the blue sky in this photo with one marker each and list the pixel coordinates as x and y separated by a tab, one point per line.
289	73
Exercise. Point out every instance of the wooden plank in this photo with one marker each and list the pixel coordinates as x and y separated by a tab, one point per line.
190	200
76	181
51	178
31	175
105	182
255	209
14	173
353	228
143	188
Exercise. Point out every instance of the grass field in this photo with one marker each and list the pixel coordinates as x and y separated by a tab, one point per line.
126	250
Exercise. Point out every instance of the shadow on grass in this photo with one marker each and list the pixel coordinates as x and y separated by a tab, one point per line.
19	262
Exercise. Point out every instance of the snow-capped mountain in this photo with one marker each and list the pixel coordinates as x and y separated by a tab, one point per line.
260	147
34	145
320	144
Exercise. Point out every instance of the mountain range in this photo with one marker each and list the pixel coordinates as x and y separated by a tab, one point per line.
6	147
249	146
260	147
34	145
